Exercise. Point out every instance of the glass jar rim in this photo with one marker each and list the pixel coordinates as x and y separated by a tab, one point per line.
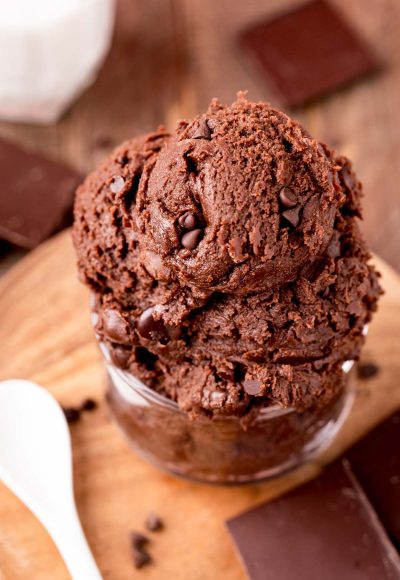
151	395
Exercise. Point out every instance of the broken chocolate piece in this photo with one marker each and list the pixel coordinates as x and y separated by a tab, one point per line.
307	52
375	460
325	525
36	195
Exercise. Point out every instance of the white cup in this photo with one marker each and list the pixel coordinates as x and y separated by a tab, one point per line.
50	51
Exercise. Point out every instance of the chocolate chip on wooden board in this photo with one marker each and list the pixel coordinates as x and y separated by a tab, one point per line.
154	523
367	370
141	558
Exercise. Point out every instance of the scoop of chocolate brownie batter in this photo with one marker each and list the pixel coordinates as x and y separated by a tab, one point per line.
227	262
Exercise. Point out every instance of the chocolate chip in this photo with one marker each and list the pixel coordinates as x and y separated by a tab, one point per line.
141	558
252	386
150	328
287	197
138	540
72	414
367	370
117	184
188	221
154	523
203	131
292	215
120	356
227	374
115	326
88	405
191	239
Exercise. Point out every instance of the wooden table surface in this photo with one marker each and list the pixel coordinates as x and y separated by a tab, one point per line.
170	57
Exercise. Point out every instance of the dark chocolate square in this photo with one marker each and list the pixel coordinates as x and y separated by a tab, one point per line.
375	460
36	195
324	529
307	52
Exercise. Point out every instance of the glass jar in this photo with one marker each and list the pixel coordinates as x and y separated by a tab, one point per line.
220	450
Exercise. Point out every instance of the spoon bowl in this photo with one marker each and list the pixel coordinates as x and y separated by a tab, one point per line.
36	464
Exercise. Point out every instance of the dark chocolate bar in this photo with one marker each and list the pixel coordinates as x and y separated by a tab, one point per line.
307	52
326	529
36	195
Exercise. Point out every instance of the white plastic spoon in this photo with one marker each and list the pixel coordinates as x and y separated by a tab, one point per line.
36	464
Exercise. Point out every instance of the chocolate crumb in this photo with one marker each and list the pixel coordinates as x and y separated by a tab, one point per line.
154	523
367	370
72	414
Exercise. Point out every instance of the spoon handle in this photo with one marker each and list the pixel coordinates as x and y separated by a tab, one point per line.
70	540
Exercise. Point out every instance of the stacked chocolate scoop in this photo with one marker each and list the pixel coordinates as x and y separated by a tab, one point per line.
227	262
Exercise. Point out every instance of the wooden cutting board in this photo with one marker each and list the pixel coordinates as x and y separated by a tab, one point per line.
45	336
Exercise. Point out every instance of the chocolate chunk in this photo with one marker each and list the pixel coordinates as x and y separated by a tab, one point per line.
72	414
325	525
141	558
150	328
117	184
203	131
287	197
37	195
367	370
154	523
307	52
252	387
89	405
138	540
115	326
375	460
292	215
191	239
188	221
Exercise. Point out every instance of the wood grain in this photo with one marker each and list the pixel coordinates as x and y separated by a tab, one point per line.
45	336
